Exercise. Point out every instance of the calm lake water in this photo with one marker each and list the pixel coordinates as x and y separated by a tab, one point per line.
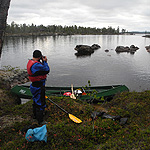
101	68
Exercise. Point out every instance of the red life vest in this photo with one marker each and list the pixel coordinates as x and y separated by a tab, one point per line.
33	78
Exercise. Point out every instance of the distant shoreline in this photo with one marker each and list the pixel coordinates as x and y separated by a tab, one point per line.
57	34
48	34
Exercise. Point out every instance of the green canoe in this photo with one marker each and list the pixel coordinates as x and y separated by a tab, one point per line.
96	92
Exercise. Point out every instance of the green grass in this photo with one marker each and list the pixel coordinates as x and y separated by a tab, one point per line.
64	134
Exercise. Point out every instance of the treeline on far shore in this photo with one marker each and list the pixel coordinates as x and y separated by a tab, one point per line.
23	29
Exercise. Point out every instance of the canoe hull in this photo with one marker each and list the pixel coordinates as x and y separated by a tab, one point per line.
96	92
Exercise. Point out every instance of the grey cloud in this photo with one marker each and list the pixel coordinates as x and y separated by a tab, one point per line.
93	13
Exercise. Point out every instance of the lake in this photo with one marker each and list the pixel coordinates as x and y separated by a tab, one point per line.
101	68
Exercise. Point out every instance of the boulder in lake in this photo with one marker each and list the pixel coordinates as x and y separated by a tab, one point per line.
122	49
147	48
106	50
86	49
95	46
131	49
147	36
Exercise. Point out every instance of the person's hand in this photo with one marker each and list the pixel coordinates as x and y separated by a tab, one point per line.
44	58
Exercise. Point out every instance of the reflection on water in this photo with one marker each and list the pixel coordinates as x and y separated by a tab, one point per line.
78	55
101	68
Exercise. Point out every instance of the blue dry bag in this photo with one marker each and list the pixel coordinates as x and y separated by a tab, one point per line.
37	134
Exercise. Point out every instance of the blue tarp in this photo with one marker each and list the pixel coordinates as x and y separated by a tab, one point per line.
37	134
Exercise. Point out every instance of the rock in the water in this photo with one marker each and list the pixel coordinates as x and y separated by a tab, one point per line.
120	49
106	50
147	48
95	46
85	49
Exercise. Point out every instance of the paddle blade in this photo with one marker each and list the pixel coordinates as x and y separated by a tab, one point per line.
75	119
72	96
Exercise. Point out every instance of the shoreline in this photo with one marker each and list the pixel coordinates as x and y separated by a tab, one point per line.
51	34
100	133
12	76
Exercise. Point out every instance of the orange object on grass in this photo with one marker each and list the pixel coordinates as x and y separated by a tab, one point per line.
83	93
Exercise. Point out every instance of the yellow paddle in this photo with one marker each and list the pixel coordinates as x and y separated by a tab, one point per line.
72	117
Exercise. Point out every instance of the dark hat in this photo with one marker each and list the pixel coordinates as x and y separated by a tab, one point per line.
37	54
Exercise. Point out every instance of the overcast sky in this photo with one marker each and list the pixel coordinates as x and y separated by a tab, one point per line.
132	15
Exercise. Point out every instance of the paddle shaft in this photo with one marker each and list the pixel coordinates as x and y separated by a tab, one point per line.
57	105
72	95
72	117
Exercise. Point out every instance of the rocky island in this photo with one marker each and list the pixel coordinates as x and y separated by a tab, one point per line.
86	49
131	49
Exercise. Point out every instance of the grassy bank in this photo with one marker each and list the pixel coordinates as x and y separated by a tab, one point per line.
64	134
